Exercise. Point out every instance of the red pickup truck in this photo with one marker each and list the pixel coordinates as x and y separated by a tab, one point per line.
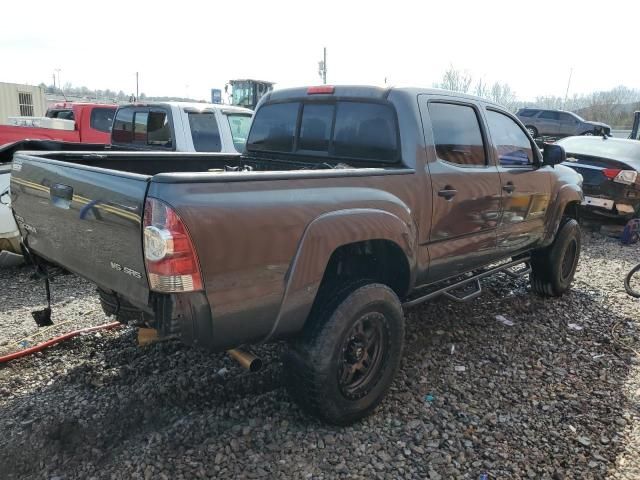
92	125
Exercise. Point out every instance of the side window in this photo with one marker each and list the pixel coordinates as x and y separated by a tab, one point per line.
158	130
512	144
549	115
566	118
204	132
528	113
456	134
123	126
315	128
102	119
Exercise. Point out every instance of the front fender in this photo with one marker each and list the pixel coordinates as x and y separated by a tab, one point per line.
321	238
567	193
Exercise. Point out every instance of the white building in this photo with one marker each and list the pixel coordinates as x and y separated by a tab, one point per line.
21	100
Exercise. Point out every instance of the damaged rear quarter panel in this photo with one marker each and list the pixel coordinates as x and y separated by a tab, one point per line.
248	233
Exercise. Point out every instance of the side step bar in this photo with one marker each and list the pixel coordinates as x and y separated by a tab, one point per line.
452	290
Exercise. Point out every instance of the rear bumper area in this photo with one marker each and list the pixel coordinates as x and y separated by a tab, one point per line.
186	316
611	207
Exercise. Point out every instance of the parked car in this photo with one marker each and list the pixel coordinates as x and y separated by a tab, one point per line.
349	204
558	123
610	168
68	122
181	127
9	234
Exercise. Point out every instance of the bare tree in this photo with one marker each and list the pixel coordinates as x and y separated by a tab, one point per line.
456	80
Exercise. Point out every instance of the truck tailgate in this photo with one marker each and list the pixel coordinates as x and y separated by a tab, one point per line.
87	219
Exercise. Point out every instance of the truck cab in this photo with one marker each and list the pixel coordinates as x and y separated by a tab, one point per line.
181	127
64	122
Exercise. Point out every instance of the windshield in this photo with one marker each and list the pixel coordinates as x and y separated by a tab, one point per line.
239	123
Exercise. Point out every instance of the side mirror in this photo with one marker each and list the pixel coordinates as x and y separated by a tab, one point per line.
553	154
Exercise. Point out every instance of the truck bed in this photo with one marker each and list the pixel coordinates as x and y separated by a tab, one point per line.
99	197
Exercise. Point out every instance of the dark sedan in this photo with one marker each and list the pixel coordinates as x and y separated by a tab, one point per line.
610	168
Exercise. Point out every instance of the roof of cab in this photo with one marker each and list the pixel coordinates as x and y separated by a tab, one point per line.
368	91
192	106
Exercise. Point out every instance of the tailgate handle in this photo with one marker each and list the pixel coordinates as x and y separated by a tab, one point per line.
61	195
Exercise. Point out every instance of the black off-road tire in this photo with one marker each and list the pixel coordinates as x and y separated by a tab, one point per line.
553	268
318	364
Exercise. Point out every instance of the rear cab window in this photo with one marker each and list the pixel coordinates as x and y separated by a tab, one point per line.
345	130
145	128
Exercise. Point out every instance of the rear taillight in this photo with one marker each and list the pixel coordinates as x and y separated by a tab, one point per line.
172	263
627	177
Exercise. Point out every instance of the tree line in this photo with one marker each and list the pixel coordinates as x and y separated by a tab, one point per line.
614	107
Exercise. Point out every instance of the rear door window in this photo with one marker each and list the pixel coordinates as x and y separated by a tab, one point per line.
549	115
204	132
101	119
511	143
527	113
457	135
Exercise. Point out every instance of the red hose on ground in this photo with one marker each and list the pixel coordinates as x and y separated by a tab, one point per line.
53	341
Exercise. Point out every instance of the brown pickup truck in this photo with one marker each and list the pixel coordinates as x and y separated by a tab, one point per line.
347	205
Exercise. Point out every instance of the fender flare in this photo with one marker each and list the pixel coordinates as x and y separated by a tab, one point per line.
568	193
321	238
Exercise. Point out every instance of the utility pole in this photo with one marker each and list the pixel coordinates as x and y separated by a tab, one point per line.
564	104
137	91
322	67
54	81
59	84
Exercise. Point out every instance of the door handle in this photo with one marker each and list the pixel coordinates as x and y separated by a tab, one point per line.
447	192
509	187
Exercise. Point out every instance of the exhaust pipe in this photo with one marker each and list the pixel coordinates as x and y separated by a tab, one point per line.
245	359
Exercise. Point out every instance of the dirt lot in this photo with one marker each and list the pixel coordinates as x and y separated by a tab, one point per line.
555	394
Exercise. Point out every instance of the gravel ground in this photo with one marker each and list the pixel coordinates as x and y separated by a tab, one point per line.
553	395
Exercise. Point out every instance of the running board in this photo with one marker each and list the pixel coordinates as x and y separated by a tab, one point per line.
455	290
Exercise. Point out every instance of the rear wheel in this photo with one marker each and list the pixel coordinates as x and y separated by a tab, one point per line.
344	363
533	131
553	268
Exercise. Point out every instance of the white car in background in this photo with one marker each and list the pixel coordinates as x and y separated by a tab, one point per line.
9	234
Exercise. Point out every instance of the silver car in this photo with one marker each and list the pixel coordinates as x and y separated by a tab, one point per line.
559	123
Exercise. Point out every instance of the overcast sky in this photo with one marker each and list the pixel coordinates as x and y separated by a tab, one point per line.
188	47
